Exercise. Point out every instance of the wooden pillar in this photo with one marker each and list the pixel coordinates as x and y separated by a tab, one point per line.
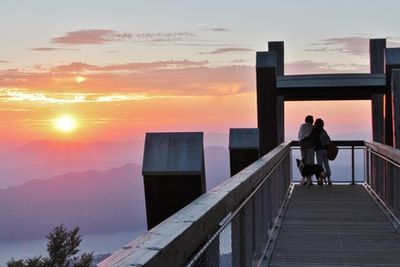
392	62
392	56
278	47
243	148
396	106
173	170
266	65
396	128
377	65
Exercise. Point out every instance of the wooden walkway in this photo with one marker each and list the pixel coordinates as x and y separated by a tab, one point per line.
335	226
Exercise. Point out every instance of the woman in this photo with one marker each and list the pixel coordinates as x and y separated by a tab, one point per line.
321	140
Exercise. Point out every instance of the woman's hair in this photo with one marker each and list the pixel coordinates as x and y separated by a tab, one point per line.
309	119
319	123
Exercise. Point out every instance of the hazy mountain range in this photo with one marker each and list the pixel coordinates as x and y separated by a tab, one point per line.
97	186
99	201
45	159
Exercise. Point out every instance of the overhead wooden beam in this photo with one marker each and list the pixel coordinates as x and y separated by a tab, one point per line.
331	86
353	80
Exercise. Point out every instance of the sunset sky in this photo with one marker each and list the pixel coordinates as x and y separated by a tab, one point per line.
123	68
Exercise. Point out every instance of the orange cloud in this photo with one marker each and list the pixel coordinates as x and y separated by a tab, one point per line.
79	66
184	78
160	78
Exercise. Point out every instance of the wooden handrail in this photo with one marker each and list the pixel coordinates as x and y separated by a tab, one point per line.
388	152
172	242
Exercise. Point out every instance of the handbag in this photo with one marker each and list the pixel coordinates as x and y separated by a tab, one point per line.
332	151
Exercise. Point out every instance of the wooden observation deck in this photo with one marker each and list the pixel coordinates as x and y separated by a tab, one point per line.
259	216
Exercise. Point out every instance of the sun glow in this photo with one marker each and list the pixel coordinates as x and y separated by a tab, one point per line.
65	123
80	79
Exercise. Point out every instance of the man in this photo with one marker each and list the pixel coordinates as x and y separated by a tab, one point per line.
306	144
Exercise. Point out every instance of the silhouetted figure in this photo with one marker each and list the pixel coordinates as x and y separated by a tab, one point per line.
306	145
321	139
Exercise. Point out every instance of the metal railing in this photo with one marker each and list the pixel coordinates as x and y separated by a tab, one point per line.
344	145
244	233
231	225
383	174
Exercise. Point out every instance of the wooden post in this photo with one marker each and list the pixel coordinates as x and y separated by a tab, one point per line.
278	47
396	106
266	66
396	128
243	148
392	62
377	65
173	170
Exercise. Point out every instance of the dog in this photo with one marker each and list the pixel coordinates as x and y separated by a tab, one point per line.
312	169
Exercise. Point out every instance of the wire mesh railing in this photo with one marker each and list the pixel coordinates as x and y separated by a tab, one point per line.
383	174
244	233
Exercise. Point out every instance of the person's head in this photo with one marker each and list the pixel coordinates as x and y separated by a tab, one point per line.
319	123
309	119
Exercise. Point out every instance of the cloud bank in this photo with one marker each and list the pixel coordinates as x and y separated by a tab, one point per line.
104	36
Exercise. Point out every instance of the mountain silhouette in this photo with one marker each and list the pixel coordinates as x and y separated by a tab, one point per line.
97	201
45	159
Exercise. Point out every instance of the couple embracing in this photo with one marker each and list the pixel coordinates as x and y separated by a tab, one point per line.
314	139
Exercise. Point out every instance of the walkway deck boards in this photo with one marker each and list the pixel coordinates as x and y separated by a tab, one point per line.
335	226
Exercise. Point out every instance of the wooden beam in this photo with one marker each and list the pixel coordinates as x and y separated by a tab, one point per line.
353	80
358	86
266	65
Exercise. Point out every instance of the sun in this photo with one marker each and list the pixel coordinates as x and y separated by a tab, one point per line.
79	79
65	123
